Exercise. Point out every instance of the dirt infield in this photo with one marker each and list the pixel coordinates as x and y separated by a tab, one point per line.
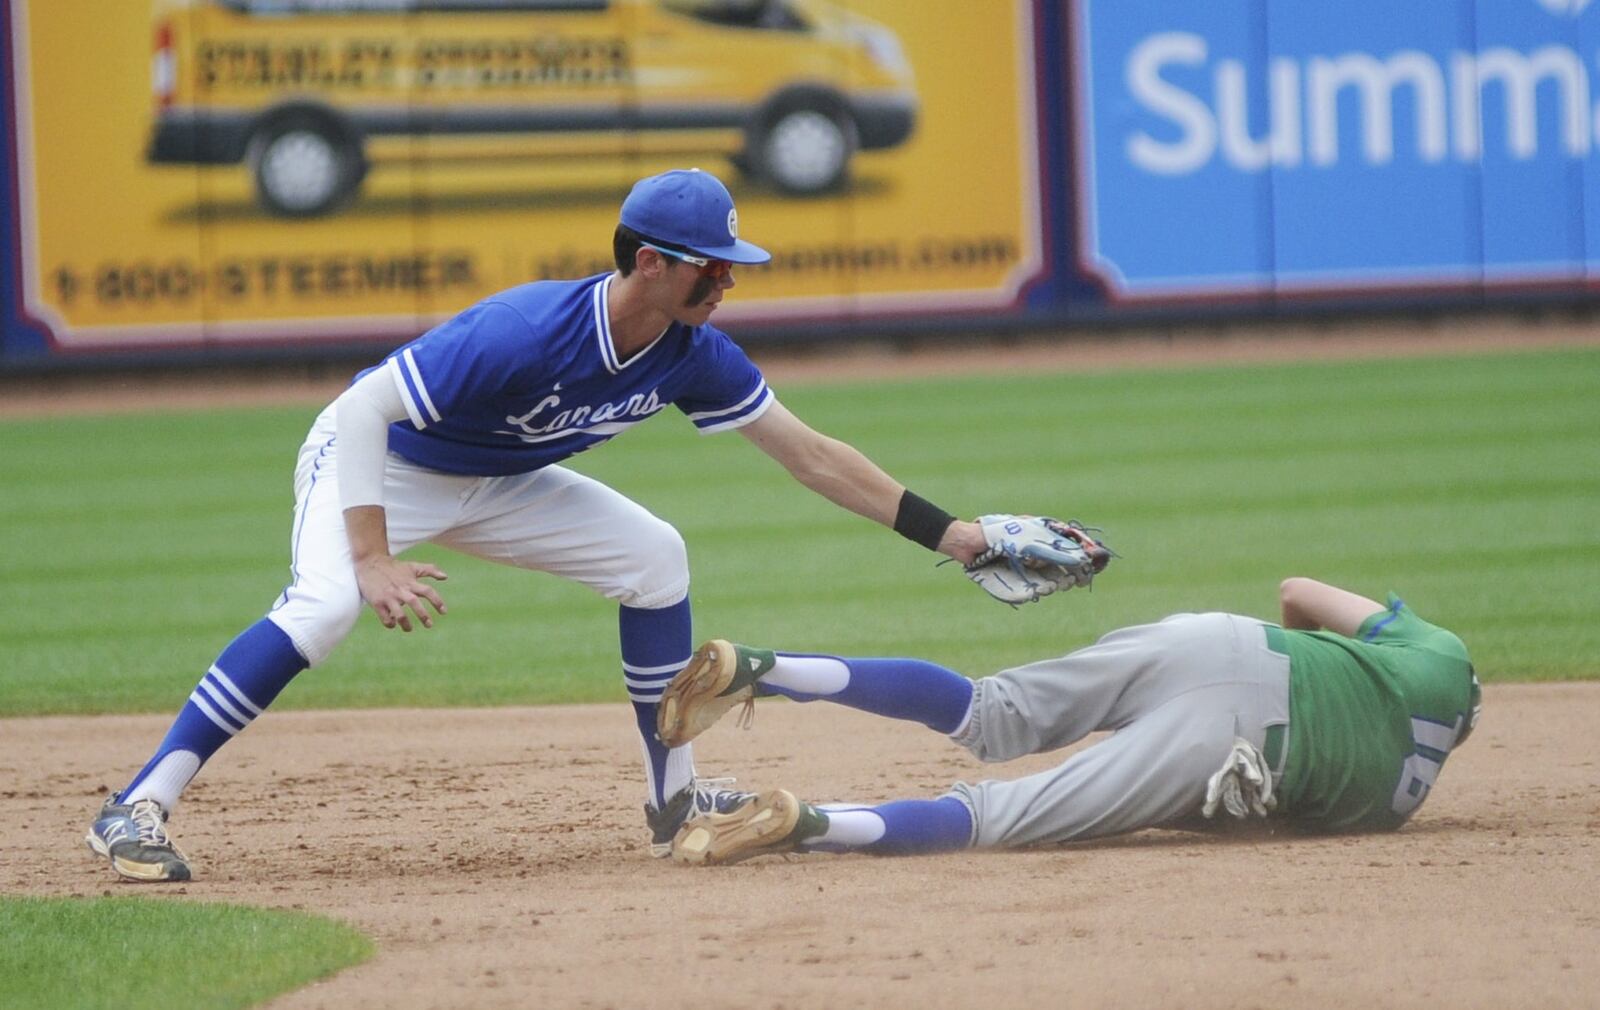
497	858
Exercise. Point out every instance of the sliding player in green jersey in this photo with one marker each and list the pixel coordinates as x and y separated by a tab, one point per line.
1339	719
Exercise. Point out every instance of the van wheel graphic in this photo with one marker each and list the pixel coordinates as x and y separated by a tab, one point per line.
802	149
304	166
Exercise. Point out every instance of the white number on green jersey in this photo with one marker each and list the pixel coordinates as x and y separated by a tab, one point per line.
1433	741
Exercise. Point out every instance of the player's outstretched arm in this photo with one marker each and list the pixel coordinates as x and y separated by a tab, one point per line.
842	474
1309	605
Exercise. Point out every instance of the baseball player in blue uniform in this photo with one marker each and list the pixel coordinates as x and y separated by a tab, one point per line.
457	439
1339	719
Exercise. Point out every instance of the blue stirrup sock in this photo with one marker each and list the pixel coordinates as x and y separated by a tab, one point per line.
910	826
903	827
244	680
911	689
656	644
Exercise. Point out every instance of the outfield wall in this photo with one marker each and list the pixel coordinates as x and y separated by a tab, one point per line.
190	178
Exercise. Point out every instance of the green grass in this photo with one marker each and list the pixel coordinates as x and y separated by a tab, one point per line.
137	546
133	953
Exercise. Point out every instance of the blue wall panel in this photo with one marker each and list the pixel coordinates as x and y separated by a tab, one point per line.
1367	192
1164	210
1404	145
1532	87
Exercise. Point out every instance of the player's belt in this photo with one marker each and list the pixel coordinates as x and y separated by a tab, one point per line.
1277	641
1275	748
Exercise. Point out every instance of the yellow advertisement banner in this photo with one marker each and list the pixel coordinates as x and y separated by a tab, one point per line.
223	170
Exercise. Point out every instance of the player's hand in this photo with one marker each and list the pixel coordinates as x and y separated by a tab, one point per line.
963	541
394	590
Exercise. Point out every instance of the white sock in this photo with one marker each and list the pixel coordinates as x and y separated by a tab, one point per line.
849	826
677	774
167	780
680	771
819	675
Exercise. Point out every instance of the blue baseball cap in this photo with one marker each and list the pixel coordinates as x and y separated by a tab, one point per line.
689	210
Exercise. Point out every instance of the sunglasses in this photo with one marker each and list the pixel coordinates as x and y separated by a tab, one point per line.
717	269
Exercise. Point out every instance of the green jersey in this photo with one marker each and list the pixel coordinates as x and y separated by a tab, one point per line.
1372	718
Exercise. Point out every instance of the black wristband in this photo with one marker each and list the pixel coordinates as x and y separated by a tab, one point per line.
921	521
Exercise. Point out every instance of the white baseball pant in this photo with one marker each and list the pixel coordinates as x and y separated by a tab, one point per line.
552	520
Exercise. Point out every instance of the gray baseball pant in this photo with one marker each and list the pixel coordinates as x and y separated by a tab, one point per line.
1175	694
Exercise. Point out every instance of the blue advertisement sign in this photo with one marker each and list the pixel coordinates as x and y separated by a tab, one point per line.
1258	147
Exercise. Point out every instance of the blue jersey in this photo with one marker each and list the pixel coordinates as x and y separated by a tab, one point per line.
529	376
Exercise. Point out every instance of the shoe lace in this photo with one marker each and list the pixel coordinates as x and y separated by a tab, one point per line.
712	786
711	794
150	821
747	714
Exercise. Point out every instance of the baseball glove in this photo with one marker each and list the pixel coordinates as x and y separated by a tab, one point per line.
1030	557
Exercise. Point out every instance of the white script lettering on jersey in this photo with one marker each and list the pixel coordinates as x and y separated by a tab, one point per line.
529	376
608	418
